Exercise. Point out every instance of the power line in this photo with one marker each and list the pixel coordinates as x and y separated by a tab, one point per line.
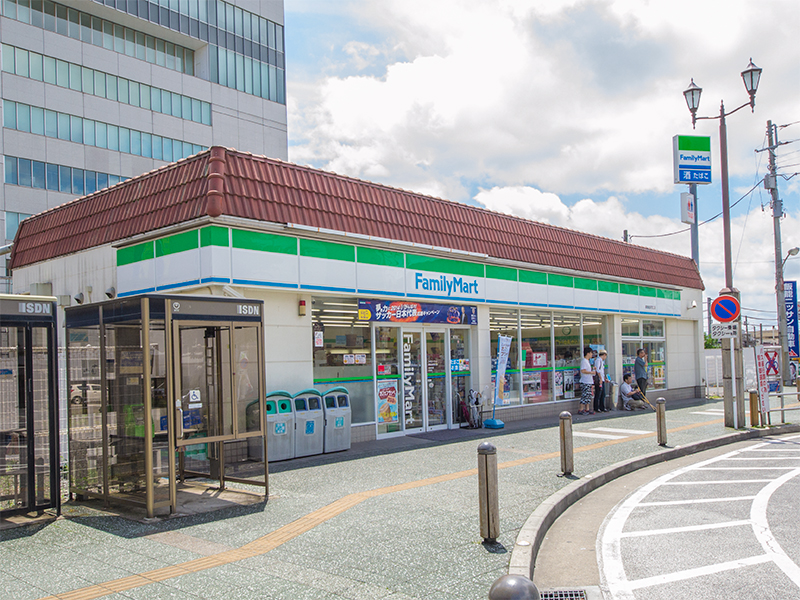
750	191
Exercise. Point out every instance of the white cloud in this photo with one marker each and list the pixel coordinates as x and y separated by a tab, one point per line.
751	237
518	103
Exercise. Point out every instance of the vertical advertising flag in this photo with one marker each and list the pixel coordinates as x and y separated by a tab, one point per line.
790	298
503	348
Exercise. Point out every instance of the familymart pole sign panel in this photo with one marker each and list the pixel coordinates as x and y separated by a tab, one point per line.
691	158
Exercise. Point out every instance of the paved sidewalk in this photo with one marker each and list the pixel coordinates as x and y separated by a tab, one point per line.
393	519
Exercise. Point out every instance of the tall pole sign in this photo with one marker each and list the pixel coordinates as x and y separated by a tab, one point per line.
691	163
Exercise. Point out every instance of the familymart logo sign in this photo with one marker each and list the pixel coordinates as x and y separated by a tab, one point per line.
446	285
691	159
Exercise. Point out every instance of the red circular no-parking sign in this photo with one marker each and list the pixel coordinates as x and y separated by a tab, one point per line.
725	309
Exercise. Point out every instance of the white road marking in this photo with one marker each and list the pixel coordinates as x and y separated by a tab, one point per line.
628	431
758	514
612	571
766	458
697	501
774	449
699	571
609	549
706	412
649	532
728	481
598	435
745	469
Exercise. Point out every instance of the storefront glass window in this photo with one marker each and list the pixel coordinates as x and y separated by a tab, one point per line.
459	365
342	353
504	322
630	327
656	356
567	329
536	357
593	334
652	328
388	384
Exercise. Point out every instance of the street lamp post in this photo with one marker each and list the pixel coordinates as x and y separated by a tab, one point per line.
783	341
732	378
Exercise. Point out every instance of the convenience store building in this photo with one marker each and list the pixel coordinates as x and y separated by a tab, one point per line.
397	296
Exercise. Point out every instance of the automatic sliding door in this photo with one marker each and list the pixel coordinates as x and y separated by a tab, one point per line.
413	401
436	379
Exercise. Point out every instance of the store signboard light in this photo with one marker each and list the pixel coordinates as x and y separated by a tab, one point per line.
691	159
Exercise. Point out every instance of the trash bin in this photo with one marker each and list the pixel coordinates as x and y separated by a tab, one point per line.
337	419
309	423
280	426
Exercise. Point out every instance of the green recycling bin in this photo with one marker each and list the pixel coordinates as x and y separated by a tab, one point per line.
336	402
280	426
309	423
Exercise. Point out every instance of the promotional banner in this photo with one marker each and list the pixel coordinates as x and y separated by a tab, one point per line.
790	298
503	348
405	311
687	208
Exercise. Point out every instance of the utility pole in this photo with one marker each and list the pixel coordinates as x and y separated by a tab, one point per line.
708	312
695	230
771	183
625	235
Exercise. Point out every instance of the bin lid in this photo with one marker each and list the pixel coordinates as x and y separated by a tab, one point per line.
308	392
279	394
338	388
271	407
285	406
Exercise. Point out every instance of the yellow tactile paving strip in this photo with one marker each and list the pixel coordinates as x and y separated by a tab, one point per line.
288	532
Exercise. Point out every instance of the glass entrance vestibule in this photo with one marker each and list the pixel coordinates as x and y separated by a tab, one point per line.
163	388
405	364
29	476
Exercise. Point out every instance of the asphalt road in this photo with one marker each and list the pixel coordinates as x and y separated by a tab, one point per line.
721	527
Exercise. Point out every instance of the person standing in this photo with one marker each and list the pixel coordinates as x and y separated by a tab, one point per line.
587	382
600	382
640	371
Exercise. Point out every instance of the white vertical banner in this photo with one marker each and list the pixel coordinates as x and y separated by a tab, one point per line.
761	376
503	348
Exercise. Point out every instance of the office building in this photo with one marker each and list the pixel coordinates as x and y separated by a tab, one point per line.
97	91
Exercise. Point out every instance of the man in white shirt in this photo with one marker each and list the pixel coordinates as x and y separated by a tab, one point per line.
587	382
631	398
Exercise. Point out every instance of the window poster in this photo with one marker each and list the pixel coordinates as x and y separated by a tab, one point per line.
387	401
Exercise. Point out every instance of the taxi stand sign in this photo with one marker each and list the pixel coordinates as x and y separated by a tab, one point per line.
724	330
691	159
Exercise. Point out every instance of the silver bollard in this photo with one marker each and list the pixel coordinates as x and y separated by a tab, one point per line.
661	421
487	492
513	587
565	435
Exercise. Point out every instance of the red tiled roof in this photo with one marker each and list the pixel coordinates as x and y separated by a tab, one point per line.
265	189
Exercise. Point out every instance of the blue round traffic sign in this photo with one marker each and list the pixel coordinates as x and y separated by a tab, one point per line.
725	309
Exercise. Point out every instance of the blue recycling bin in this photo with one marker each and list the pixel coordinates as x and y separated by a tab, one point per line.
336	404
309	423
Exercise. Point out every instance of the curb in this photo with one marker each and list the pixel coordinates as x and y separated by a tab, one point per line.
532	533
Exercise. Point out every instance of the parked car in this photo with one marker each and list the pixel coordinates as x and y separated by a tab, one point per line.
84	393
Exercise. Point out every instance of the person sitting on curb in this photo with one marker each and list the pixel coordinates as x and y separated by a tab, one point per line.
631	397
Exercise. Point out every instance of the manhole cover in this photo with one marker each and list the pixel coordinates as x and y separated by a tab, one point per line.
563	595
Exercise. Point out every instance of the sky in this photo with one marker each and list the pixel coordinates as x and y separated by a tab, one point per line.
559	111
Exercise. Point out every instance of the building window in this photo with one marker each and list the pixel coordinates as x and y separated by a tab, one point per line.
13	219
647	333
75	24
104	85
536	356
506	322
69	127
56	178
568	354
343	353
